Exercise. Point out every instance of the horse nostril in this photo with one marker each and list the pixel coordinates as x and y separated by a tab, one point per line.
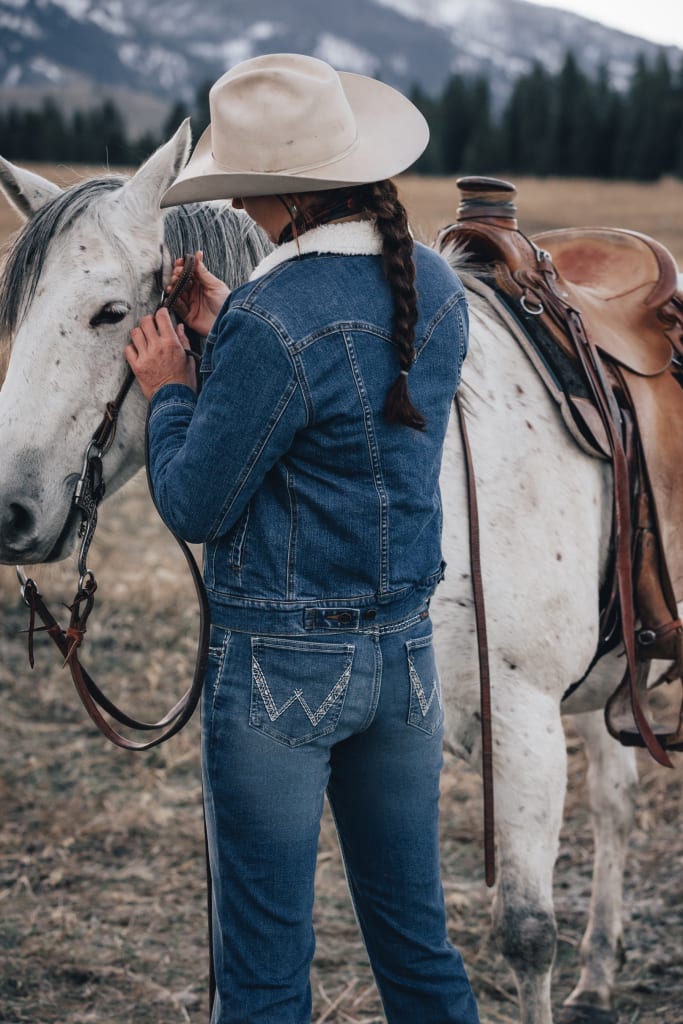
17	523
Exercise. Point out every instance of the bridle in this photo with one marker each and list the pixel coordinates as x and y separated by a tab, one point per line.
88	493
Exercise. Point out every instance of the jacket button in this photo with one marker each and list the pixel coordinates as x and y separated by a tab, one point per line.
370	614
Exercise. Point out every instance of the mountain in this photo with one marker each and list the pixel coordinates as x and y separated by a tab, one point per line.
160	53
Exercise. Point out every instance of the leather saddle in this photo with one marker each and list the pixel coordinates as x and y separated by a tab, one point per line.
598	312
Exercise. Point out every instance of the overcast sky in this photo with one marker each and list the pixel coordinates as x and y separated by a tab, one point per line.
659	20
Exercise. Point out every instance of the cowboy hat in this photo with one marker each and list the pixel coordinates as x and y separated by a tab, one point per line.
290	123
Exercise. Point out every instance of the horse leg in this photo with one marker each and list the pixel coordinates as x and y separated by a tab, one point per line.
612	785
530	780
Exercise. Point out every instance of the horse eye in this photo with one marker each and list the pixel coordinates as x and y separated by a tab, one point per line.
111	313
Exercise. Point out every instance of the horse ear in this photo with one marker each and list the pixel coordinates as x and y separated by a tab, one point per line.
148	184
26	191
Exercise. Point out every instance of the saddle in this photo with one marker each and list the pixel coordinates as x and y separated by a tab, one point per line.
598	312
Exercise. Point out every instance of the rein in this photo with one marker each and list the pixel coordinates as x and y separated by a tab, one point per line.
88	493
482	652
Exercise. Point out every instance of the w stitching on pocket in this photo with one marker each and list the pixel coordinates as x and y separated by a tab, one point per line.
324	671
314	717
426	710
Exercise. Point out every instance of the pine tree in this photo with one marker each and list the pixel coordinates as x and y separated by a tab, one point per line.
527	124
483	151
431	161
457	123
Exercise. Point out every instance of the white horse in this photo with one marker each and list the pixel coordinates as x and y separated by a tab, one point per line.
84	270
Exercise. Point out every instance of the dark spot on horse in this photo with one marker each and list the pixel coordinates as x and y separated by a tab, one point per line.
510	664
464	575
85	270
82	248
527	934
519	389
558	556
74	417
62	332
529	425
57	362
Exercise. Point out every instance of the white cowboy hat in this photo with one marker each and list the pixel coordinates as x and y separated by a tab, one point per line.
290	123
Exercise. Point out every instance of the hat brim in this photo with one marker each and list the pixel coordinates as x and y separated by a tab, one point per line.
392	133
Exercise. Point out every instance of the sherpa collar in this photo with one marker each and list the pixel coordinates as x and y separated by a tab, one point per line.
348	238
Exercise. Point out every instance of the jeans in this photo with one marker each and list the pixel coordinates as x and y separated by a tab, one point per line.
357	715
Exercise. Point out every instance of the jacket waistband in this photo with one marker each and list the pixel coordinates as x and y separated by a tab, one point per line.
330	616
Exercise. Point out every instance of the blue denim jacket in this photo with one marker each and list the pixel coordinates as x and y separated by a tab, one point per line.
314	511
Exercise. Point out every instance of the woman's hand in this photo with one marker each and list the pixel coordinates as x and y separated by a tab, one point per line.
158	355
201	299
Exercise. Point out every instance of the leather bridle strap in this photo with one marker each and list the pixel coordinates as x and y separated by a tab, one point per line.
483	652
87	498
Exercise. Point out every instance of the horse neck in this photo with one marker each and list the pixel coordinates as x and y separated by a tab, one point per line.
231	242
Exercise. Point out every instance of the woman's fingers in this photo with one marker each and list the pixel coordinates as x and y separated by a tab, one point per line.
179	266
154	332
145	333
157	354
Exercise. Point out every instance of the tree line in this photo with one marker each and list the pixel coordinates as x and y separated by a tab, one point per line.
567	123
564	123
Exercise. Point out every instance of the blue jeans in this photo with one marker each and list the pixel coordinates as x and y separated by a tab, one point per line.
285	719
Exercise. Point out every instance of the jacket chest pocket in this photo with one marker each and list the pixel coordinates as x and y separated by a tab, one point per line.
298	688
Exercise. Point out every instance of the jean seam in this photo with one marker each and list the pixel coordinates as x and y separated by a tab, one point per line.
376	689
217	685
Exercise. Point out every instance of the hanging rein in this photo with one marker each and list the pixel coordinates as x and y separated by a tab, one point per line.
88	494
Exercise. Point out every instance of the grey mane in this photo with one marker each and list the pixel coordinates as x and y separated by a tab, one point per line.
231	242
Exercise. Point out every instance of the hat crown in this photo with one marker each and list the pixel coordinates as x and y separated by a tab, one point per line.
299	107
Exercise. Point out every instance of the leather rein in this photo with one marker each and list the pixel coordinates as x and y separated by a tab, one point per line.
88	493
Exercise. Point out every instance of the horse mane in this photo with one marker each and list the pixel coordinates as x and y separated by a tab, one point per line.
231	242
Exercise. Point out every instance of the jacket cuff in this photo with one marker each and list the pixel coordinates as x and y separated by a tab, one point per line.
172	394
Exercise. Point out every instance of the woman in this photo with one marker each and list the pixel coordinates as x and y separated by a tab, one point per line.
309	469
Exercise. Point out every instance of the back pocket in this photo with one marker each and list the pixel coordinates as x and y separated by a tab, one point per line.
425	711
298	688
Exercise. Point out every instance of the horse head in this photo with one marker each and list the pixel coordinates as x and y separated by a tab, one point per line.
86	265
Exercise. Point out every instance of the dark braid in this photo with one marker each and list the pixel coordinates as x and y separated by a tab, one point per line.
380	200
397	259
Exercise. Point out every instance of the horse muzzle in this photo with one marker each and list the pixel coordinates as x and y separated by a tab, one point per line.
28	535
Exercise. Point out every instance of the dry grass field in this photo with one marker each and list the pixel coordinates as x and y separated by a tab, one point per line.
102	914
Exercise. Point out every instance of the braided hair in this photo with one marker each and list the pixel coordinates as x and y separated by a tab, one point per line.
380	202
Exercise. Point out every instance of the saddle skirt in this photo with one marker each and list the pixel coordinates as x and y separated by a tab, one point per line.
619	280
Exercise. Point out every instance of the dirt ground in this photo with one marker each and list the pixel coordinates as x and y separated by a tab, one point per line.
102	892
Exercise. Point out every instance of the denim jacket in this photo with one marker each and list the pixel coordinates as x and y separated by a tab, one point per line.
313	510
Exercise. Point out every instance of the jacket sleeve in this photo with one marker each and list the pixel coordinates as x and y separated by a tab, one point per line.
208	454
